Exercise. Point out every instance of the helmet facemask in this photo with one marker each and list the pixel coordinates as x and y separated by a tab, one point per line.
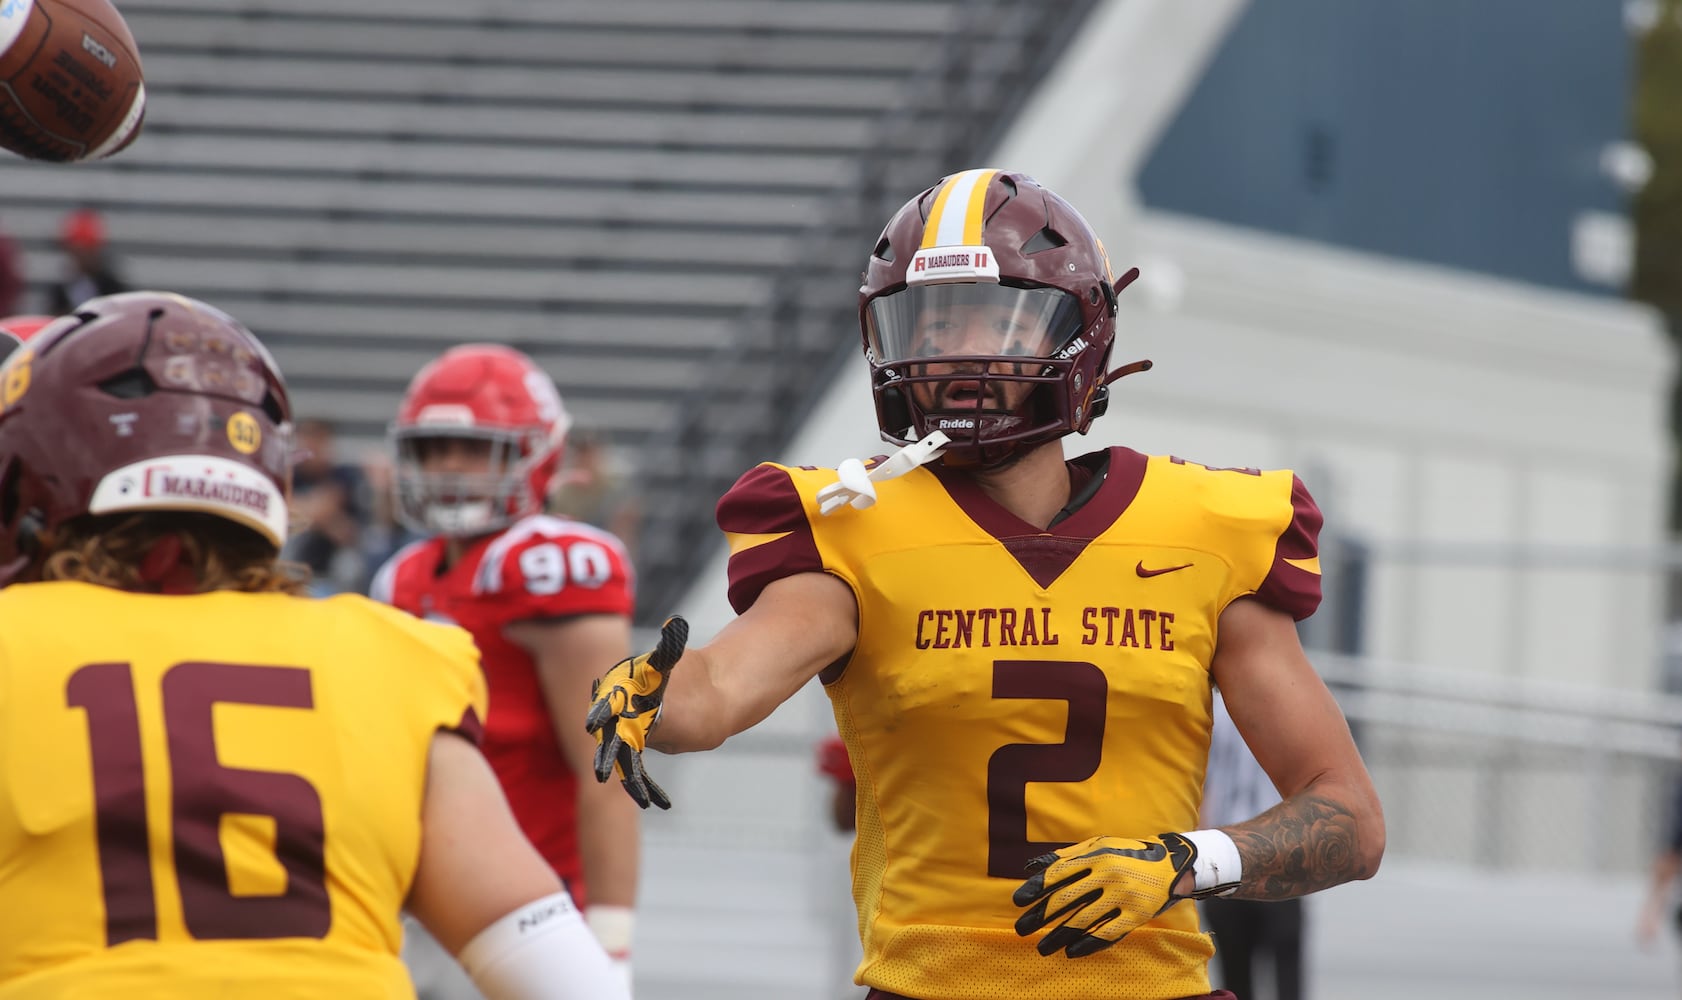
983	362
463	482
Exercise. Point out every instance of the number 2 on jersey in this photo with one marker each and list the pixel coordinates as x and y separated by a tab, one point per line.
203	791
1013	766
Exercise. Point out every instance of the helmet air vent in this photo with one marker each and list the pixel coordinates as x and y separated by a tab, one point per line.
132	384
1045	239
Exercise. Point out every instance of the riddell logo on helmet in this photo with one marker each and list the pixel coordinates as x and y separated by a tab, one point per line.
1075	346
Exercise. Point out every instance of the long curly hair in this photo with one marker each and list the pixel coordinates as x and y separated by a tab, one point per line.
117	550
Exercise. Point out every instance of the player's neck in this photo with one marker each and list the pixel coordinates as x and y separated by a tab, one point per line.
1034	487
456	547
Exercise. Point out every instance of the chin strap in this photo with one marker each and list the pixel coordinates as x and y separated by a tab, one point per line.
1142	365
1101	397
856	488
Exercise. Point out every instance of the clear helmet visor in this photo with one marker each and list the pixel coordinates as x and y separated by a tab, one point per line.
970	320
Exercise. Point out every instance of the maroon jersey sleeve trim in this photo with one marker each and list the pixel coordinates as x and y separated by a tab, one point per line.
770	536
1292	584
469	727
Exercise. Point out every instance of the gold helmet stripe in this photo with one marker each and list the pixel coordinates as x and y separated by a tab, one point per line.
955	220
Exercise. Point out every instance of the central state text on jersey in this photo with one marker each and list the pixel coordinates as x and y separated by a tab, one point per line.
967	628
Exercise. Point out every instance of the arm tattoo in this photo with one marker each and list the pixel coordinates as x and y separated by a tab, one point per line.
1302	845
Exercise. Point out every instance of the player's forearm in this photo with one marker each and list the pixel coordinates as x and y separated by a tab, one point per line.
799	625
608	824
722	689
1324	835
696	712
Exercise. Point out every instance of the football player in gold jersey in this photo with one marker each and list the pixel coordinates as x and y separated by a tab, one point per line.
215	787
1020	648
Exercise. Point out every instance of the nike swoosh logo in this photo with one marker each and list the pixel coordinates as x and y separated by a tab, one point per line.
1150	852
1142	571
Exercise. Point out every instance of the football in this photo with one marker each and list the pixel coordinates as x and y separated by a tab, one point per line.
70	80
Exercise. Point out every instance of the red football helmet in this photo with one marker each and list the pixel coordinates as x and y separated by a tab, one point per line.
14	330
480	392
970	278
24	327
142	401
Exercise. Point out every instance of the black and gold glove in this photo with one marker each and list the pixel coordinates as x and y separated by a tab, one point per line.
1099	890
627	704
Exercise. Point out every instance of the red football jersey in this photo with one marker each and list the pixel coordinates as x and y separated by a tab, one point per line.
541	567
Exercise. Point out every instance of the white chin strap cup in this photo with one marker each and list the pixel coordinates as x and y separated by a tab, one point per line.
856	488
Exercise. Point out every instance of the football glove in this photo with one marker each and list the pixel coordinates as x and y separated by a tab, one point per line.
627	704
1099	890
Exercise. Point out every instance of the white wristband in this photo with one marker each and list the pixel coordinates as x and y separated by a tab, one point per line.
541	951
1218	869
613	927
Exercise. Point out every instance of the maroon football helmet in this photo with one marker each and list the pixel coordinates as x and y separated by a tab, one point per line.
485	393
143	401
969	281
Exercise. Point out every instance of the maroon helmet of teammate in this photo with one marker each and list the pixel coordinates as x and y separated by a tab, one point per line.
139	402
970	278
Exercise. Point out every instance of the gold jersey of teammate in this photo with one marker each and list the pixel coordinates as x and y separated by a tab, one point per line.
1016	690
215	795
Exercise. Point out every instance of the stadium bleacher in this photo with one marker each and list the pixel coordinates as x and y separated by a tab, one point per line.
366	185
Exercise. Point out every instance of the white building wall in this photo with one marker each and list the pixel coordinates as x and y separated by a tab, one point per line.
1420	405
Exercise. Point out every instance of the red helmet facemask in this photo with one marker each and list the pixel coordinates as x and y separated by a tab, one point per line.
140	402
988	312
496	404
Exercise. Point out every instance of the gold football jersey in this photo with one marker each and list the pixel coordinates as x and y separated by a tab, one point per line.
215	795
1015	690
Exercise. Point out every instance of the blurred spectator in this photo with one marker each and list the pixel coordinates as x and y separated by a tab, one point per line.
843	796
88	269
1248	933
329	501
594	489
11	276
1662	883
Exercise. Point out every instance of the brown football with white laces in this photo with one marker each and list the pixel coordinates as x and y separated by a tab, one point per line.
71	86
